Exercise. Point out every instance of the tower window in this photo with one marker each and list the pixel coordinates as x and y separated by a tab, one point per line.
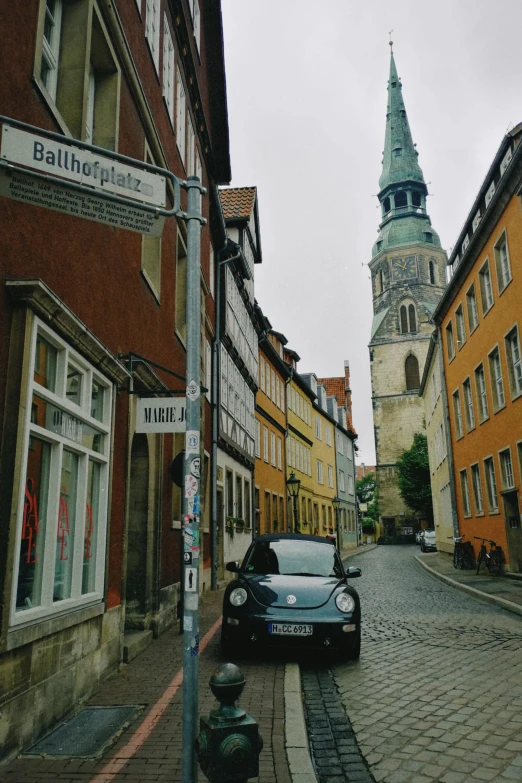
412	318
428	236
408	318
386	205
381	281
416	199
404	320
432	273
401	200
411	368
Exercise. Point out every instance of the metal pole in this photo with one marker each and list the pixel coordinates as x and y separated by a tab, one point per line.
192	487
337	530
295	514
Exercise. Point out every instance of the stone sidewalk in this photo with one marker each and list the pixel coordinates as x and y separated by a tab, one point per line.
504	591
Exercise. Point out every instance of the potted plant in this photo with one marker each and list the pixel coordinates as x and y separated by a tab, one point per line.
229	526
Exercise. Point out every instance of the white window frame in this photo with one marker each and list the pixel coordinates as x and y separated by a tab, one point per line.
273	449
60	439
152	29
491	484
486	287
181	116
279	453
51	48
320	479
497	382
330	476
514	359
318	433
464	489
477	488
265	444
460	326
341	481
507	472
490	192
457	412
328	434
258	438
468	399
504	163
482	395
502	262
472	307
169	57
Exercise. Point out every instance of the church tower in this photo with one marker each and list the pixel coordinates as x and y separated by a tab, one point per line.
408	272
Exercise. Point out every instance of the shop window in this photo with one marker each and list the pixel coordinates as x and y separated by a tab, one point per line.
62	522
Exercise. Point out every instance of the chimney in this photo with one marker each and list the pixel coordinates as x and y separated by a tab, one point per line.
347	390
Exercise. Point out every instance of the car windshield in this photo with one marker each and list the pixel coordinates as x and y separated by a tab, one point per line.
294	558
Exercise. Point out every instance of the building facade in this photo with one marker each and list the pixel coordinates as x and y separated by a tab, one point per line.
408	272
238	373
270	469
433	393
90	550
479	330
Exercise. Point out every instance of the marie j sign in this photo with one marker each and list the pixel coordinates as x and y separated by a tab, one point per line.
161	415
71	163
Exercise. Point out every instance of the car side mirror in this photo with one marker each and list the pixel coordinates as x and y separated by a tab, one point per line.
352	572
233	566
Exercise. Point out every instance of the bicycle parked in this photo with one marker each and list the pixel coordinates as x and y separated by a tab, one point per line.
463	556
493	559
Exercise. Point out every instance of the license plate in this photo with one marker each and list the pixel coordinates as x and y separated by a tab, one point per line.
290	629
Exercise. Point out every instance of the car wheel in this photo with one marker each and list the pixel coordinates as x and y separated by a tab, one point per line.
422	548
352	650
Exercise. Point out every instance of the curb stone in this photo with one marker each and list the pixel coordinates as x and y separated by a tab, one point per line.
296	736
492	599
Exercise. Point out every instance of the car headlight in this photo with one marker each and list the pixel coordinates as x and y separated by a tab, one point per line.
345	603
238	596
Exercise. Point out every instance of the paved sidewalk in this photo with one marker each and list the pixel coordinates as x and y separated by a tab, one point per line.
150	749
503	591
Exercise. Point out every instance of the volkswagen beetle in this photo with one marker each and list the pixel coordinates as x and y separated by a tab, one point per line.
291	590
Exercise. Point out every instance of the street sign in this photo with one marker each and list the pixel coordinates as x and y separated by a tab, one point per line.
82	166
166	414
24	187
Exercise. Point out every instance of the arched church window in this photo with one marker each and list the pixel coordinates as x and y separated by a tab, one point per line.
411	368
432	273
412	318
386	205
416	198
401	200
404	320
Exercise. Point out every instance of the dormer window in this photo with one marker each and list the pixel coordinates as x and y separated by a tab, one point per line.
505	161
428	236
476	220
490	193
465	243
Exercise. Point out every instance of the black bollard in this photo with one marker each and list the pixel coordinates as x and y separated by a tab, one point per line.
229	742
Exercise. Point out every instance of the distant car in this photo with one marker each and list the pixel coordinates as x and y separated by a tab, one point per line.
291	590
428	541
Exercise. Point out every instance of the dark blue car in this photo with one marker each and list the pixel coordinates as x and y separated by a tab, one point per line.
291	590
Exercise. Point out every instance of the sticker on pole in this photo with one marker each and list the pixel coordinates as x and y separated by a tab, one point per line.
191	601
195	467
191	580
187	558
192	442
191	486
193	391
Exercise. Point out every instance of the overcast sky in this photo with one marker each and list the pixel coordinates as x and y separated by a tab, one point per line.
307	93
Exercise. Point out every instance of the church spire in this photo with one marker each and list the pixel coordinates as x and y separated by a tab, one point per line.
400	156
403	191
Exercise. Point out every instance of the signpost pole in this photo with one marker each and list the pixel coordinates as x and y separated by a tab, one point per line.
192	487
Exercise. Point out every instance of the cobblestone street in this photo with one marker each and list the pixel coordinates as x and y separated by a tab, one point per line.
437	694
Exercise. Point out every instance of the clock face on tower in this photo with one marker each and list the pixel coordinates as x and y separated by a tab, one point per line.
404	268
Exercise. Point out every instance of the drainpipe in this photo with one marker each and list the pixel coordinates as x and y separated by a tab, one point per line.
216	376
447	435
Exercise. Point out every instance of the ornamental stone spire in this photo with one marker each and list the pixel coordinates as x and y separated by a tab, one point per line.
402	188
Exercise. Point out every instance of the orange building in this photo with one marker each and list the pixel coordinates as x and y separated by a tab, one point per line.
478	320
270	420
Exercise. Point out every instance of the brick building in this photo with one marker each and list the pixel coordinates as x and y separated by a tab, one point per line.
92	317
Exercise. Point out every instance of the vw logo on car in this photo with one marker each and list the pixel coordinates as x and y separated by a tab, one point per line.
291	599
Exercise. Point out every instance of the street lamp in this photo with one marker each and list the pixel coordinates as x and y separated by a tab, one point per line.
293	486
336	502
